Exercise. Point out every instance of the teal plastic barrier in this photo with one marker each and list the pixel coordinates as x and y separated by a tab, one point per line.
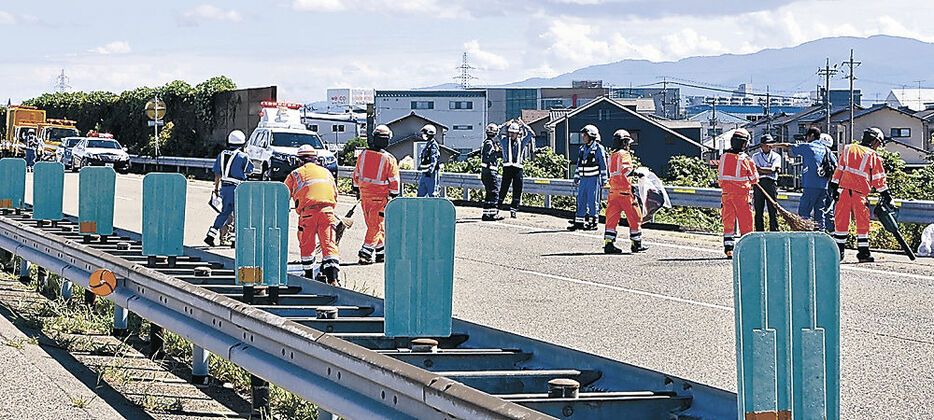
12	183
787	299
164	198
96	200
262	214
48	184
419	269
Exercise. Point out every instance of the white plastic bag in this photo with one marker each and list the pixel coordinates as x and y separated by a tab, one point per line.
215	202
652	194
926	249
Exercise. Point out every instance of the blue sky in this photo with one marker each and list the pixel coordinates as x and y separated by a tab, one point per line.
306	46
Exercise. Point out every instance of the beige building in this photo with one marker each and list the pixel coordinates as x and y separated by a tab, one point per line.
906	133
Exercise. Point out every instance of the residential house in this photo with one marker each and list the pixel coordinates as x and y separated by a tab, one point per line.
906	133
714	123
536	119
655	140
464	111
407	137
913	99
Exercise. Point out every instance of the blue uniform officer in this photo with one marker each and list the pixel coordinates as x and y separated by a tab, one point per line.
230	169
429	164
590	177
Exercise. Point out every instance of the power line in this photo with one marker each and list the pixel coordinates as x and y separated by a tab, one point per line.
714	89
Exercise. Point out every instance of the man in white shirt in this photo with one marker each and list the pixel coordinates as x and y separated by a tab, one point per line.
769	164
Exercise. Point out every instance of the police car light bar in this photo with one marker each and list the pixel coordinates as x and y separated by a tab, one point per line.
274	104
101	135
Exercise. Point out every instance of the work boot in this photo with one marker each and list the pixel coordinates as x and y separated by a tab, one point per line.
591	226
512	213
576	226
310	274
492	217
842	248
380	258
364	259
209	240
637	247
728	250
609	248
330	274
863	256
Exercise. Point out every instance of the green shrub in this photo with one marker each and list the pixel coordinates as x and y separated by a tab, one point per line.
347	156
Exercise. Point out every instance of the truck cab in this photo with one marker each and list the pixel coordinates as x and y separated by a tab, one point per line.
273	145
20	121
54	130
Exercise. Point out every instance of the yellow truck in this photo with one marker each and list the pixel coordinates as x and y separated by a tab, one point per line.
23	120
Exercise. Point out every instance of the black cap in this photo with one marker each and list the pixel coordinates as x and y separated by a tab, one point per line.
766	138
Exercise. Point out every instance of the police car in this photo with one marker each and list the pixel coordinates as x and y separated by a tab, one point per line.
273	145
99	149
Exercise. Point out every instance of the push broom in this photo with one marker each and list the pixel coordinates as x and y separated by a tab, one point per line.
797	223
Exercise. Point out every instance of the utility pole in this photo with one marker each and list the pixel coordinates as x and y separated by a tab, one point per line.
768	111
827	71
852	76
713	127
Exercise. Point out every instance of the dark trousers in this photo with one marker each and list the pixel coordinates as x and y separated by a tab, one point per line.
759	201
511	175
490	184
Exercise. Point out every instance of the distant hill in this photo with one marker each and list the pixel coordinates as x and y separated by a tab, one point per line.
887	63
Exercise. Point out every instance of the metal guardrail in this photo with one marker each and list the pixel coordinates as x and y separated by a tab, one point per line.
346	365
910	211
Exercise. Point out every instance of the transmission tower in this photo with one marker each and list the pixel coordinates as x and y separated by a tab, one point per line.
61	83
465	77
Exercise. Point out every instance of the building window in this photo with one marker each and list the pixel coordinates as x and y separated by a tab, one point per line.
635	138
901	132
801	129
603	114
313	127
337	128
552	104
463	127
574	139
460	105
423	104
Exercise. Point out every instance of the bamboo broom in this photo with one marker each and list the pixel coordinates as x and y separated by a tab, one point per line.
797	223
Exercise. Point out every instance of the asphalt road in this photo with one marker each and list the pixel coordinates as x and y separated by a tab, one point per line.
669	309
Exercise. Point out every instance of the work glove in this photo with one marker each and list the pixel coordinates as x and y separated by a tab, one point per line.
886	198
833	189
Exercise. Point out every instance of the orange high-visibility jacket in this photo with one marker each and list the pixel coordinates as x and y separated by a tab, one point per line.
376	174
860	169
311	185
620	167
737	173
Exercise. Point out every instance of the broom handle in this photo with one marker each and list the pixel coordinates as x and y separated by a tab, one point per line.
767	196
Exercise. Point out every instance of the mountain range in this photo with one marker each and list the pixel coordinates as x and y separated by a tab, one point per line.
888	62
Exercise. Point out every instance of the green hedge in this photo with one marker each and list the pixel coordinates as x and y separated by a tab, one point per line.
190	111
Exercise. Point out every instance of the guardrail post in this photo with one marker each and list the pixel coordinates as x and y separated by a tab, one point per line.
66	289
547	201
324	415
121	315
466	194
42	279
199	365
24	270
156	342
259	390
6	260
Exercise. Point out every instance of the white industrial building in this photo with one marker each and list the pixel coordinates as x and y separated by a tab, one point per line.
463	111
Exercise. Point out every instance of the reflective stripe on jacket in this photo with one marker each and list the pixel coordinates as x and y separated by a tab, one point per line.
620	167
376	174
311	185
737	173
860	169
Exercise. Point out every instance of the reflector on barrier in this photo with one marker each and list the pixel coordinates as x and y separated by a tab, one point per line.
419	267
164	198
12	183
48	183
262	215
787	299
96	200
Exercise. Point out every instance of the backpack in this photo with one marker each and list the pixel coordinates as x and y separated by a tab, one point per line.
827	166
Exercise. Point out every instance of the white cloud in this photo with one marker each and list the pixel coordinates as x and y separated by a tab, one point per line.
204	12
6	18
116	47
485	60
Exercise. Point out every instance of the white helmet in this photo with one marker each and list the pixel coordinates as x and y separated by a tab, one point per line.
236	138
307	153
514	128
492	129
826	139
428	131
591	132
